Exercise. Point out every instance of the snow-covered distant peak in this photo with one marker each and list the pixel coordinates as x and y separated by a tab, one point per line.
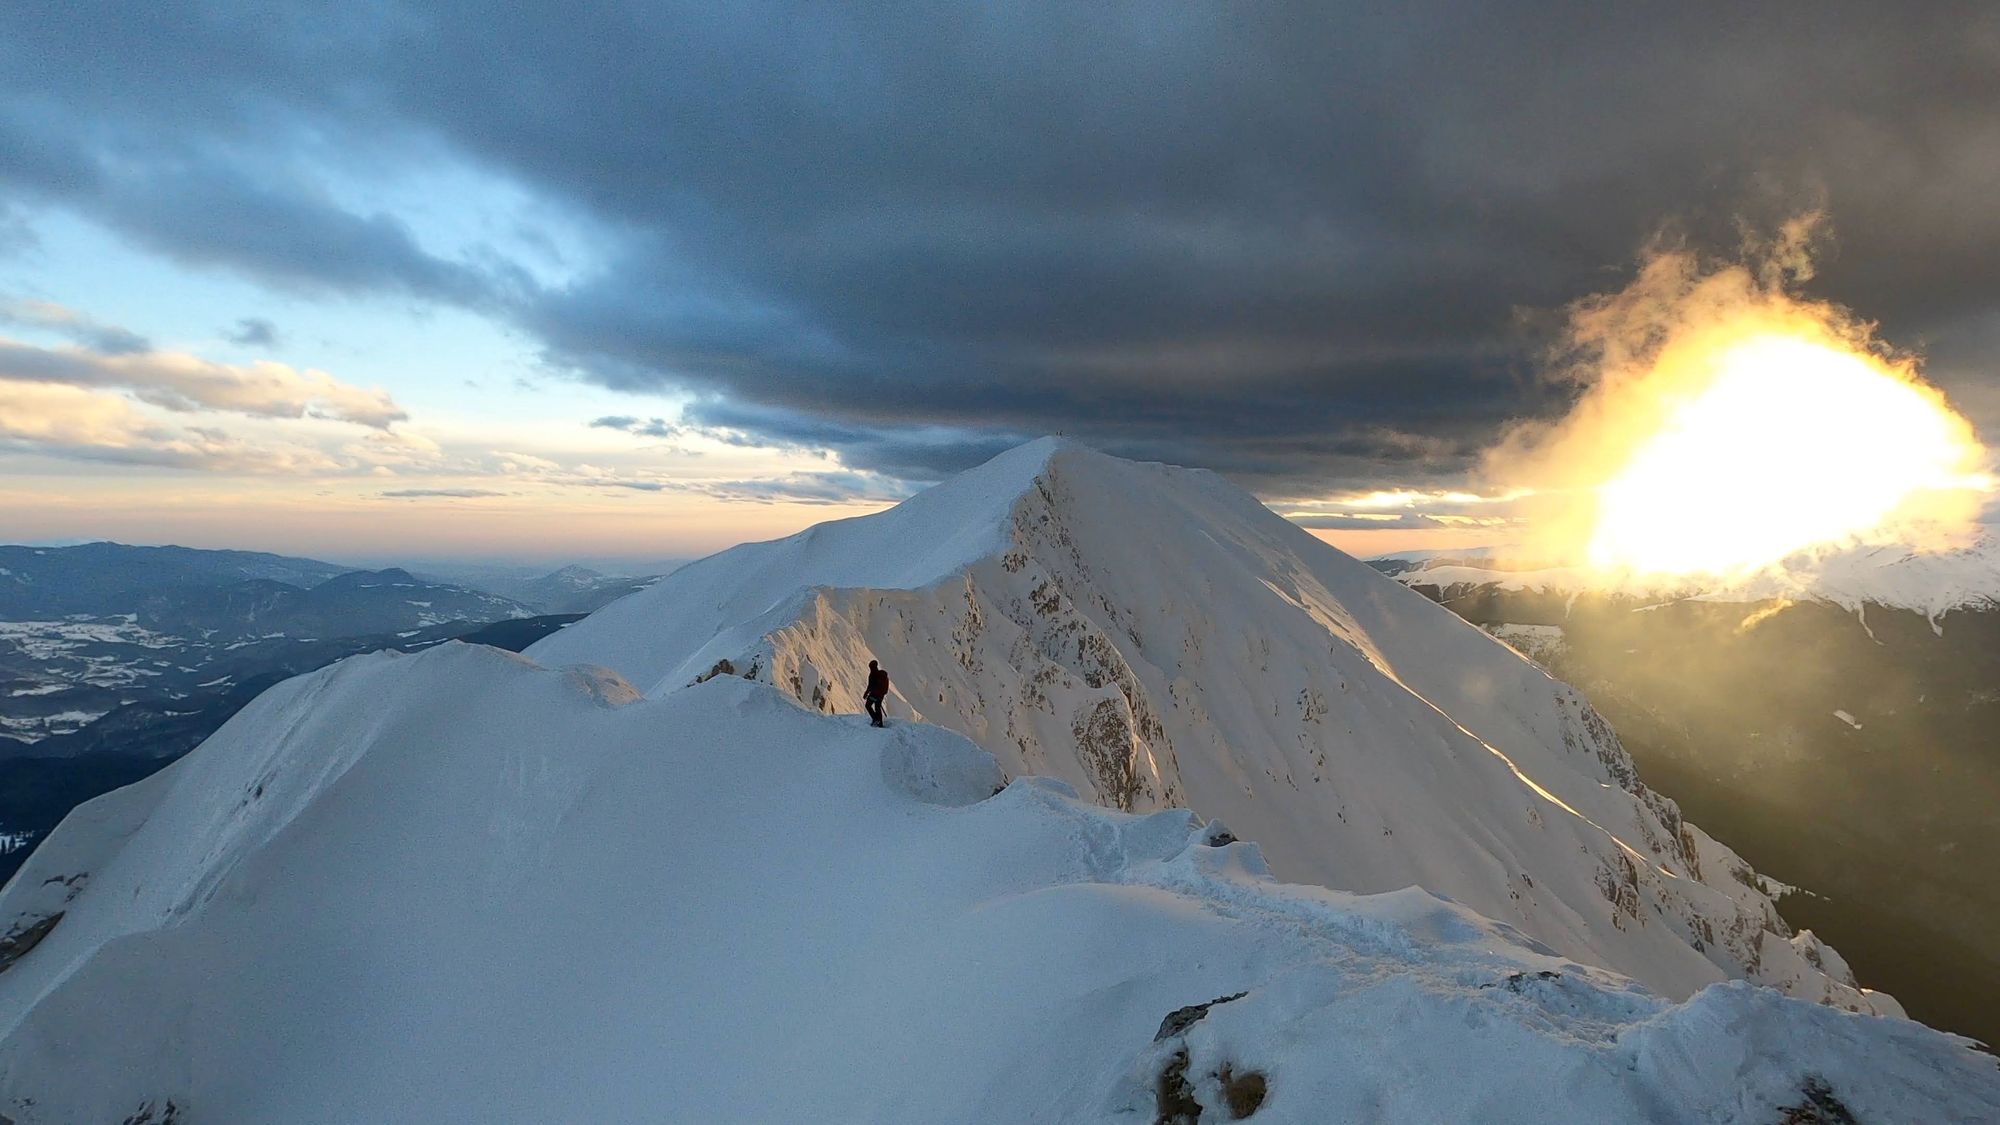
1932	582
1929	582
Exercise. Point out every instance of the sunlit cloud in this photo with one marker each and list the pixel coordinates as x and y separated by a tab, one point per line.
72	325
524	464
442	493
643	427
395	450
180	382
1726	425
77	423
1415	498
707	461
71	416
814	488
109	397
1368	521
1388	510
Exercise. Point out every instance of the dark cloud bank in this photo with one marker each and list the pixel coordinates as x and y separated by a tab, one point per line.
1291	242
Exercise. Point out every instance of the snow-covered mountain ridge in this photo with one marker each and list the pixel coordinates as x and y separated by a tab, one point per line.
1157	638
459	887
467	886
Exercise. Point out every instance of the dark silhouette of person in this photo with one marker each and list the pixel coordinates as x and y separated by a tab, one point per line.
878	689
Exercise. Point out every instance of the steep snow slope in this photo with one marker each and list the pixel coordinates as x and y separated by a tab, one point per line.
459	887
1156	637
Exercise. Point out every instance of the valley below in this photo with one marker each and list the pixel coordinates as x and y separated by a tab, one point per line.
1851	752
116	660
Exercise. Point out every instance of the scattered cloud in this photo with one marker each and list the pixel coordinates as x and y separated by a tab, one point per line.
253	332
813	488
832	486
442	493
1369	522
395	450
72	325
102	397
17	238
82	424
643	427
524	464
180	382
1406	509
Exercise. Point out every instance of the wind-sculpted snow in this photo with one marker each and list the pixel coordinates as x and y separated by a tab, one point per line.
460	887
1157	638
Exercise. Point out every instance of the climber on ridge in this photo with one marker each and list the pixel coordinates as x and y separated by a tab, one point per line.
878	689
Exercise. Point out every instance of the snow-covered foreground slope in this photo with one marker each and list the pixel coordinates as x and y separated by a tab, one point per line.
1156	638
460	887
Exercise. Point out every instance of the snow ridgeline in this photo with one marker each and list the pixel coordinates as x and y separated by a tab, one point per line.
1156	638
460	887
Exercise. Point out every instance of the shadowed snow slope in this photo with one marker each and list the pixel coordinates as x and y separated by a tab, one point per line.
1158	638
461	887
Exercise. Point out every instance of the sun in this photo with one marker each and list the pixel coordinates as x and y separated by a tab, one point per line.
1728	429
1770	444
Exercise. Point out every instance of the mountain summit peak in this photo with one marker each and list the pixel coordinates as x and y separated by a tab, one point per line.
1156	637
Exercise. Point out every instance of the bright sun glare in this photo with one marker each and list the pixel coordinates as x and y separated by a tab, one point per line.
1790	443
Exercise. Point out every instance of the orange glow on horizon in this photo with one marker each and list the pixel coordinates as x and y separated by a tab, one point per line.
1367	543
347	525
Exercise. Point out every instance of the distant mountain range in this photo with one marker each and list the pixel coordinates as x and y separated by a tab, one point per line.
110	578
189	588
1932	583
114	659
1844	736
573	589
379	601
86	630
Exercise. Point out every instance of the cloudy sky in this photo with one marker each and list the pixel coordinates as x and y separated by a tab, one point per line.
376	279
